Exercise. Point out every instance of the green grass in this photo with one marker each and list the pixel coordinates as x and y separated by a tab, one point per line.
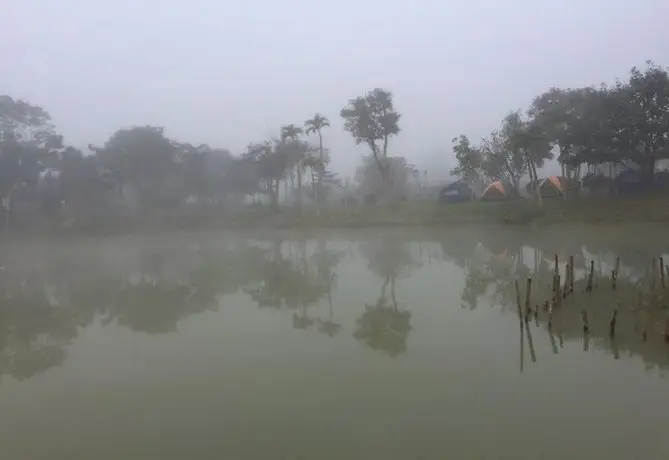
579	210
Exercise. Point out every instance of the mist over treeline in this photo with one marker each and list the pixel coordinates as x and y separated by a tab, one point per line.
142	171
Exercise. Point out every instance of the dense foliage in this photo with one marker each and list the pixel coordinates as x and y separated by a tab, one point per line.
623	124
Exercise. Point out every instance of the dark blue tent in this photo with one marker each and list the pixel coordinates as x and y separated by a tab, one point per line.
457	192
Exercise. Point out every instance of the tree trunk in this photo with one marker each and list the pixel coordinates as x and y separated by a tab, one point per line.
534	178
648	170
299	187
314	187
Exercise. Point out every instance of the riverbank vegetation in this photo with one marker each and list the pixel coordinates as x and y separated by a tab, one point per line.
140	178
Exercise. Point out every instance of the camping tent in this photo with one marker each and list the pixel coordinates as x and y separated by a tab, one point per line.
457	192
556	186
496	191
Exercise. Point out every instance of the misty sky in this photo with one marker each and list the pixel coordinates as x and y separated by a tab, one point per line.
228	73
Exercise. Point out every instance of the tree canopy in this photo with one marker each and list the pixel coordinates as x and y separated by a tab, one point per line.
626	124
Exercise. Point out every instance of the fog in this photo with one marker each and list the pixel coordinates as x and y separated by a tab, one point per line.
230	73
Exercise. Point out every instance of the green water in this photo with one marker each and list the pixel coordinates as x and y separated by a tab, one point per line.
372	344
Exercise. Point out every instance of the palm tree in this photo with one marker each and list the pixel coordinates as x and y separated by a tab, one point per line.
316	125
293	133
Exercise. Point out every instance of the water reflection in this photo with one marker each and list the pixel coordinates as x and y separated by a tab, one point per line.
494	263
383	325
152	288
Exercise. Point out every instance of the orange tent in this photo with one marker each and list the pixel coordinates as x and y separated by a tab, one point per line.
495	191
556	186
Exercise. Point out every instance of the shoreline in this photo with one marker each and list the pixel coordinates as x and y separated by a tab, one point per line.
526	213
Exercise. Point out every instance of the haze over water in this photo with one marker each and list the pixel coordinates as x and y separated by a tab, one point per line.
394	344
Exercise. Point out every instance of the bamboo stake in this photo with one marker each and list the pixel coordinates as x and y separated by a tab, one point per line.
552	338
588	288
613	279
530	345
652	280
557	292
520	312
584	316
612	324
571	274
556	269
617	268
528	308
662	274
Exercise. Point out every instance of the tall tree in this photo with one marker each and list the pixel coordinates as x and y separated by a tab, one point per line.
290	137
470	163
527	140
501	162
316	125
373	120
27	137
144	157
647	131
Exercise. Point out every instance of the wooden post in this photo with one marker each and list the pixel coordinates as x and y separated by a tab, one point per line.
528	308
588	288
612	324
571	274
613	279
520	311
662	274
558	293
530	345
556	269
584	316
653	274
617	268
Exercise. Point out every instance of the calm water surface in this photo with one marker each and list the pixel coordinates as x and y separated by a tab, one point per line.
375	345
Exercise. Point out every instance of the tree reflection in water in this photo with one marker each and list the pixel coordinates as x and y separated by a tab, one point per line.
290	278
383	326
42	308
499	267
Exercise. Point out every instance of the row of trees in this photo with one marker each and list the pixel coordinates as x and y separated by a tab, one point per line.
622	124
163	172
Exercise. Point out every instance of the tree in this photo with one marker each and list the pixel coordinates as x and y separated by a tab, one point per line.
145	158
396	170
470	163
290	142
527	140
24	122
646	98
500	162
316	125
373	120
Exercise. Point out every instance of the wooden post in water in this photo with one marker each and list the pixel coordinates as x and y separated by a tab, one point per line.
614	274
612	324
555	268
662	274
588	288
571	274
584	316
653	276
558	290
520	310
528	308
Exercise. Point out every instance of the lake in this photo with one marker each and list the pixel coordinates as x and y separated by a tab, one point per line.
388	344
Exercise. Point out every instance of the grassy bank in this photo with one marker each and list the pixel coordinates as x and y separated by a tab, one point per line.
582	210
